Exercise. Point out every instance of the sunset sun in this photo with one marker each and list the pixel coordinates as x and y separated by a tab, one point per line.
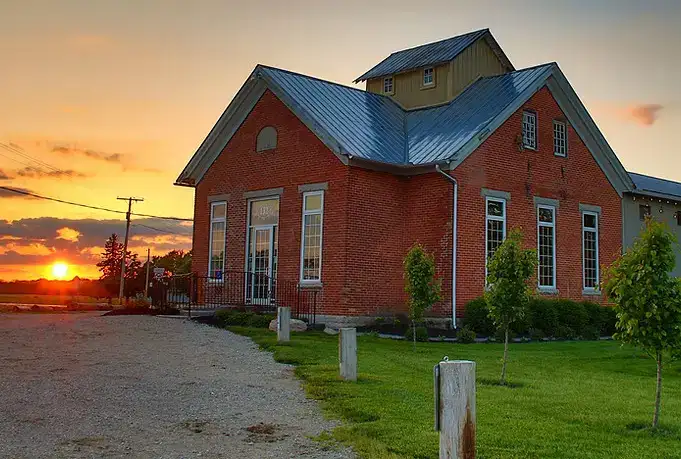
59	270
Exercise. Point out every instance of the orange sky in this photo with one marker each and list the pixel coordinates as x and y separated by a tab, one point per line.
118	95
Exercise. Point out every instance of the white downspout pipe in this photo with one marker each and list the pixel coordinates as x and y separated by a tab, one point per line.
455	184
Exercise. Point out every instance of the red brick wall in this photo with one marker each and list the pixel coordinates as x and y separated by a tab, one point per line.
300	158
372	218
499	165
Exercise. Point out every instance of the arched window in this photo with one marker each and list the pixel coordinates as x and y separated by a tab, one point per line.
267	139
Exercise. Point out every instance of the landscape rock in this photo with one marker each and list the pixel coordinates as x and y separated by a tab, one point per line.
296	325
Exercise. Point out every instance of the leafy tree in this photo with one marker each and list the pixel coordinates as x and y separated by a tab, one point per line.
110	265
508	294
175	262
423	288
648	299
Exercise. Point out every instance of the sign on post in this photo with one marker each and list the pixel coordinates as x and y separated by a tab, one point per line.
158	273
454	390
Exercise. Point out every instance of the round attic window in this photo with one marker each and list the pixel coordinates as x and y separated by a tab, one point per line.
267	139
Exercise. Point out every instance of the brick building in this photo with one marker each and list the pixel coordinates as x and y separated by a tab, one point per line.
450	146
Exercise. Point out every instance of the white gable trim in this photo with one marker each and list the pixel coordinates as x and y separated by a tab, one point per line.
232	119
576	114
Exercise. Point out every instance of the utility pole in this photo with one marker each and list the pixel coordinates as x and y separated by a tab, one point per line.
146	282
125	243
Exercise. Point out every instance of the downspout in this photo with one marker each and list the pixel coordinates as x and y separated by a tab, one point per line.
455	186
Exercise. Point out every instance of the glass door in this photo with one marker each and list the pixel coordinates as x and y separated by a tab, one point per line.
262	265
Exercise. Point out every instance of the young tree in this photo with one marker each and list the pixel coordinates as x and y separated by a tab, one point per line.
648	299
175	262
508	293
423	288
110	265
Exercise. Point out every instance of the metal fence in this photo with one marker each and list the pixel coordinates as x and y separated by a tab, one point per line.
235	289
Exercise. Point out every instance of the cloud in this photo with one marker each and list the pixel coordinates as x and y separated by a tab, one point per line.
68	234
4	176
645	114
9	194
638	113
98	155
41	241
32	172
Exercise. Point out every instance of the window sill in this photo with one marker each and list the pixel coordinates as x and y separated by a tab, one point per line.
427	86
558	155
548	290
527	147
586	292
310	285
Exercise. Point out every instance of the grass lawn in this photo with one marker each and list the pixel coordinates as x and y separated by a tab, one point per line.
574	400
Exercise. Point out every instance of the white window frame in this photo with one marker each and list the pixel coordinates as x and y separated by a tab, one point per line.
529	120
320	212
213	219
596	231
558	149
489	217
392	85
425	83
553	254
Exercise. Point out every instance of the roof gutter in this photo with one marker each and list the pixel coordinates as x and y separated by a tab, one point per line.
455	199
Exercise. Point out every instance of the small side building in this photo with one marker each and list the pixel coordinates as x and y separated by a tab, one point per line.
655	197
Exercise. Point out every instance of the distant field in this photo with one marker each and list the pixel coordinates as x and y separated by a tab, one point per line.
47	299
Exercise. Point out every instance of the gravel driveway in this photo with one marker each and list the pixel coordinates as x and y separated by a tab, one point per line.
81	385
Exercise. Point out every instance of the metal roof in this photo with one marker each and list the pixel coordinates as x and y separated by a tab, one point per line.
366	125
421	56
438	134
655	186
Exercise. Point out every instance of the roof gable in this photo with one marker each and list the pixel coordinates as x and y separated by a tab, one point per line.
371	130
432	54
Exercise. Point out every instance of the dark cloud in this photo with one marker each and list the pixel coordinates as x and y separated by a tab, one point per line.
645	114
99	155
9	194
4	176
33	172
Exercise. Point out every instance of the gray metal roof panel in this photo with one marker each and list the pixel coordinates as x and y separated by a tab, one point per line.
421	56
655	186
436	134
366	125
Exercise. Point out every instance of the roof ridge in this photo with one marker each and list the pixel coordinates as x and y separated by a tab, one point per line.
546	64
310	77
440	41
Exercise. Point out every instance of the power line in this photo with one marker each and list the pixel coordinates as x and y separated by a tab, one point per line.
158	229
24	155
34	195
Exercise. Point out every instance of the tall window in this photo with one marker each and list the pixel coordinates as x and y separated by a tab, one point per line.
559	138
311	239
530	130
643	211
590	250
218	225
388	85
495	226
546	246
428	76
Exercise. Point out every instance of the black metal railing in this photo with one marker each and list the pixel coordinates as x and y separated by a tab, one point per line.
235	289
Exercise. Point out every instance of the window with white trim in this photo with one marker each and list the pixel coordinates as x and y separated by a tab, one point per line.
388	85
495	226
590	250
311	238
218	226
530	130
428	76
559	138
546	246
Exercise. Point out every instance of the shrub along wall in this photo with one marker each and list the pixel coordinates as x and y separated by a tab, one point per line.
225	317
548	318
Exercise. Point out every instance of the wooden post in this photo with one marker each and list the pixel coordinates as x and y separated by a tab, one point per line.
283	324
456	409
347	353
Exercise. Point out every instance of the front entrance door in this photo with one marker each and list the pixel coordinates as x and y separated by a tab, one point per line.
261	269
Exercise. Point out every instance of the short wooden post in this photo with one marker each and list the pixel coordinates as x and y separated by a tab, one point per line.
283	324
347	353
455	415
